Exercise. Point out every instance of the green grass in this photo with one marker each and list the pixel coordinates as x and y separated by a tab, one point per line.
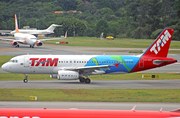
4	59
129	76
99	95
121	43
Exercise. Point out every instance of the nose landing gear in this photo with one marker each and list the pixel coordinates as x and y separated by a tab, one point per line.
25	80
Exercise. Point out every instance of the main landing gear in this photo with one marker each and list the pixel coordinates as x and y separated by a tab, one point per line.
25	79
17	46
31	46
82	80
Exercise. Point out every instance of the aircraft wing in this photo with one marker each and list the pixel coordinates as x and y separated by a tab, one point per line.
7	39
89	68
50	39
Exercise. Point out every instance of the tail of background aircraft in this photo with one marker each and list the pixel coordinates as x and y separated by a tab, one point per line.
160	47
52	27
16	24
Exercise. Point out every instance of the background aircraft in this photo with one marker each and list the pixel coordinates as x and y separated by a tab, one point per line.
72	67
77	113
27	39
49	30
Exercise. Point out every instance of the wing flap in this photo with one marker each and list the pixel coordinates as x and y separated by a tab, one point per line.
89	68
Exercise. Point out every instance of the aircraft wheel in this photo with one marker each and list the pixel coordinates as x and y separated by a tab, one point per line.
82	79
17	46
25	80
87	80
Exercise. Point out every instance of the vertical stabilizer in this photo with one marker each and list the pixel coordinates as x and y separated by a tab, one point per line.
16	25
160	47
52	27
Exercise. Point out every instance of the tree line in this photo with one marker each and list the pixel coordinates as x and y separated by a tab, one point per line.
119	18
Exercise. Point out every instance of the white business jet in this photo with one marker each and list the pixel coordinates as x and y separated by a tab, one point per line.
49	30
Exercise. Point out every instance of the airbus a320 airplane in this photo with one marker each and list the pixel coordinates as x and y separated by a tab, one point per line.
27	39
72	67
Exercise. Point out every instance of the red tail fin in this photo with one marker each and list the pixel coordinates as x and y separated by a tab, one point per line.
160	47
16	24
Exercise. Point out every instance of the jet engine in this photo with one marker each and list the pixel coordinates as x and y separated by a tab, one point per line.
54	76
66	75
14	43
39	43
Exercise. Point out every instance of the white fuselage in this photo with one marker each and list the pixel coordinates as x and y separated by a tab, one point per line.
34	64
34	32
25	38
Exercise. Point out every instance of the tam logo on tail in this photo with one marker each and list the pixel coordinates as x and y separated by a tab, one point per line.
160	47
160	42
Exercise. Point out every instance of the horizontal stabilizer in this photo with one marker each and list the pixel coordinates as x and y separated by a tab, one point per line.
157	62
178	110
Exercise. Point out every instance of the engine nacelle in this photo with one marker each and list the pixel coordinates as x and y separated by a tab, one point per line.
39	43
14	43
54	76
67	75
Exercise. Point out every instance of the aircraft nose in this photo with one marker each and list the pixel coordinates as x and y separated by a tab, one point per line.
4	67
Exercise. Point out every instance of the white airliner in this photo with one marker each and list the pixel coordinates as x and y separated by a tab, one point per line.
72	67
27	39
49	30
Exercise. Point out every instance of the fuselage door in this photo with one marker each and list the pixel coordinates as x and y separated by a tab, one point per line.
141	63
26	61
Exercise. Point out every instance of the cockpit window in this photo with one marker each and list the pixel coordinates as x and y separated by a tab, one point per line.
13	61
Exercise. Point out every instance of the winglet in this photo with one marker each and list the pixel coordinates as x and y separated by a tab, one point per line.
16	24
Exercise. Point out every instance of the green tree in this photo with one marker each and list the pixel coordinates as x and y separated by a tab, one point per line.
101	26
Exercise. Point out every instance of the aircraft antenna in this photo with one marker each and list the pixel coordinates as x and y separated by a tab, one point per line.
133	109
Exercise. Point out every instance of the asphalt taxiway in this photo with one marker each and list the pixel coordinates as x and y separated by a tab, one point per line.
95	84
7	49
91	105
